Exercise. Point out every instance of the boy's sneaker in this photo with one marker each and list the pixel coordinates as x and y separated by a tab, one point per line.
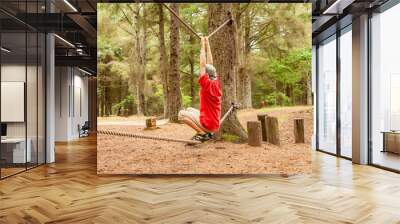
197	137
202	138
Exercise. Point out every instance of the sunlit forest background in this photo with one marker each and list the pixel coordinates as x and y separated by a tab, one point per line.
136	56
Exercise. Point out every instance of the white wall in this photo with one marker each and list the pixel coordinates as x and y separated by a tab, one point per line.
71	102
62	81
13	73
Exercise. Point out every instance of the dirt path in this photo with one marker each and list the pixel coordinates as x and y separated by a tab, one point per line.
122	155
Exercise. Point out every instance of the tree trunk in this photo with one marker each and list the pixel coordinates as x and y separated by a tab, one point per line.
243	80
174	91
254	130
246	80
298	130
101	103
142	62
224	51
107	99
106	84
273	130
140	59
263	120
309	90
100	97
192	76
239	50
163	58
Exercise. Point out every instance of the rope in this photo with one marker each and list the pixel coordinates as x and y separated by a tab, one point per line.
152	137
220	27
232	108
190	28
183	22
122	134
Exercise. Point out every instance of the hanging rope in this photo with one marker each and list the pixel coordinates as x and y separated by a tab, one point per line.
220	27
183	22
123	134
190	28
233	107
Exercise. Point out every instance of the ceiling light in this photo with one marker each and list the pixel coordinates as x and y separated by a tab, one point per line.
5	50
79	51
70	5
65	41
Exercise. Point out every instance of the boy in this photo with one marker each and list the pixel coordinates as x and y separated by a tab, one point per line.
205	121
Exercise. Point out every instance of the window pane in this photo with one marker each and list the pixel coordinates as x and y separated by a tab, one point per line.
31	97
346	93
41	99
14	153
386	89
327	96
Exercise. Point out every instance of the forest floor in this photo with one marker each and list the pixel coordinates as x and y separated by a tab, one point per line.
125	155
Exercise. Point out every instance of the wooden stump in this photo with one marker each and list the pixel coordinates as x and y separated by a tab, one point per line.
263	119
273	131
298	130
151	123
254	132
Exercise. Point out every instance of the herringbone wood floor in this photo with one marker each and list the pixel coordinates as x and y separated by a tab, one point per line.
69	191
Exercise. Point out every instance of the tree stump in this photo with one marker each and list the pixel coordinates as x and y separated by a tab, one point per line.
263	119
151	124
298	130
254	133
273	131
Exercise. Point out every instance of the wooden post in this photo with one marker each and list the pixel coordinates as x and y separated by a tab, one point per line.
151	123
273	130
254	133
263	119
298	130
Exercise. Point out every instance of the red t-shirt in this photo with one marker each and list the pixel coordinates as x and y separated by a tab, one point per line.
210	103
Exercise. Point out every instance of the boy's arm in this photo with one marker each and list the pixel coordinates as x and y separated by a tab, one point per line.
203	57
209	54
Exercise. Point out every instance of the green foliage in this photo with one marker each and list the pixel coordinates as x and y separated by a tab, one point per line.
124	107
155	100
284	82
231	138
186	101
278	99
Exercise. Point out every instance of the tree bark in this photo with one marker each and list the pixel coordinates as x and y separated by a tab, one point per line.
224	51
192	76
174	91
163	58
298	130
254	130
243	80
101	99
263	120
141	58
309	90
273	131
106	86
245	75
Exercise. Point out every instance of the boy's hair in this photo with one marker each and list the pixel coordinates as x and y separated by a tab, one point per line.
211	71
